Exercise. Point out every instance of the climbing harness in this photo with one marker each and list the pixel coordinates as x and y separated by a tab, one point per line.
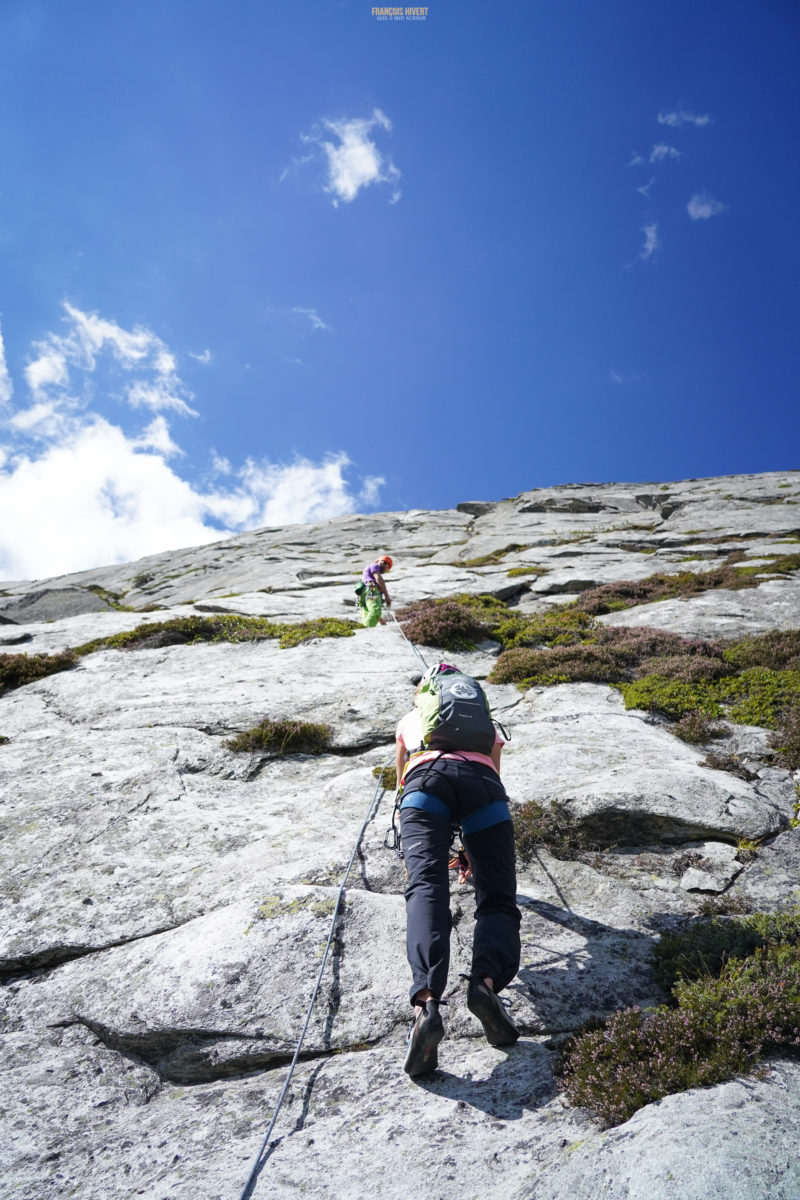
371	813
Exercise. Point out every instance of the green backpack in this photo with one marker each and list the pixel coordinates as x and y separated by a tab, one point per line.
454	711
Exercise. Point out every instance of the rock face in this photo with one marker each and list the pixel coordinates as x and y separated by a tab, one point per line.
167	900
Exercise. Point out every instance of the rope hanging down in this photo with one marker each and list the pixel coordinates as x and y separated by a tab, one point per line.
411	644
372	812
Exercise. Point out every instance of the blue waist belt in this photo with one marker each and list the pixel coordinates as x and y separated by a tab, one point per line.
483	818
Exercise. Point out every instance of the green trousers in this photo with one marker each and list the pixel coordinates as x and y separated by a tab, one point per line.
371	604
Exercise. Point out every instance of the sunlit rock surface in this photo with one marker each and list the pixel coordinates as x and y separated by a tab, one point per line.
167	901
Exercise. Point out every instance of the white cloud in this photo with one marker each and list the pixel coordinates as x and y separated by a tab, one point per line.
636	160
702	206
311	313
204	358
300	161
92	333
42	420
157	437
662	151
645	190
304	491
90	499
76	490
620	377
682	117
86	337
158	394
354	160
651	243
50	368
6	386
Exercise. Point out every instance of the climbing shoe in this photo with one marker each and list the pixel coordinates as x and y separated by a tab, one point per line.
426	1033
500	1030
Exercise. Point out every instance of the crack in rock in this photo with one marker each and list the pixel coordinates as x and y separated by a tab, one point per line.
198	1056
53	957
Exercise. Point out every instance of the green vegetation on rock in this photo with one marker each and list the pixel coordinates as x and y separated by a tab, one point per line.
518	572
490	560
18	669
319	627
550	826
735	998
701	948
458	622
283	737
451	623
112	599
611	597
387	776
757	696
219	628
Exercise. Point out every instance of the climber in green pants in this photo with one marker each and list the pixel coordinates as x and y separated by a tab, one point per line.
372	592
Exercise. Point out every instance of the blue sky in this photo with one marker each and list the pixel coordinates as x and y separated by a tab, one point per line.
268	262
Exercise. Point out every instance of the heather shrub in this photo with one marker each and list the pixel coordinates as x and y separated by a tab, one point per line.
559	664
729	763
783	563
448	624
18	669
787	739
283	737
702	948
515	666
627	593
646	642
550	826
776	650
581	650
685	668
719	1029
696	728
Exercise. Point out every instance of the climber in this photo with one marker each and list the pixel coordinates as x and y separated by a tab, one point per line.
448	764
372	593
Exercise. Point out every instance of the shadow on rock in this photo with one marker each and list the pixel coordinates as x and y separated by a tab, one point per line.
522	1081
574	969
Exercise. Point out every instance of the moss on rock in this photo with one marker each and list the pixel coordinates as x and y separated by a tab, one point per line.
282	737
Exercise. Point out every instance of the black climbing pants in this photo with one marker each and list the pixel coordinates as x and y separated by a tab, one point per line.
426	847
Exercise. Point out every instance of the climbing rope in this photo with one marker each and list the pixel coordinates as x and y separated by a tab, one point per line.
371	813
411	644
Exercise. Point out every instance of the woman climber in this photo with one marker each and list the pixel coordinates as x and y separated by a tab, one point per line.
372	591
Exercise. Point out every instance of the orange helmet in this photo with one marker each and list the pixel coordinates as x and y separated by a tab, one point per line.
387	562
